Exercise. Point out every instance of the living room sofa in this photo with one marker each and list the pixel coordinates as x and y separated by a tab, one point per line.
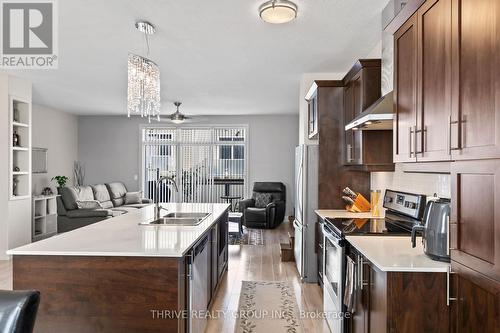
110	199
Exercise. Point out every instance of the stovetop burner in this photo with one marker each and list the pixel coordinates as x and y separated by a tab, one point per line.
369	226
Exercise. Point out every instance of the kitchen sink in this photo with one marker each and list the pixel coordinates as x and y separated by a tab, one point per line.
187	215
179	219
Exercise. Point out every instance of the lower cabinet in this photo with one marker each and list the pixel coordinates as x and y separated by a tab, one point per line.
475	301
399	301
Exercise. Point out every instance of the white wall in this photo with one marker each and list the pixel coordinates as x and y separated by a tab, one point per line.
421	183
58	132
109	148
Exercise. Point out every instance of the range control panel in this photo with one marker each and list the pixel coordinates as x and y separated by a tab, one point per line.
409	204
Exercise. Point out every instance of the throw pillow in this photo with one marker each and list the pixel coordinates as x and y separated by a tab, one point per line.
88	204
132	198
262	199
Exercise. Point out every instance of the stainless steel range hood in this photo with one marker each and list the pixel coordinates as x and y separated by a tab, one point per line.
378	116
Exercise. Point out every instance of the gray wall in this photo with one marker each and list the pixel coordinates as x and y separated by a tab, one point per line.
109	148
58	132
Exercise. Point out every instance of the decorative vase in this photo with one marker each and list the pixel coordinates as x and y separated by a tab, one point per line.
59	190
15	139
14	186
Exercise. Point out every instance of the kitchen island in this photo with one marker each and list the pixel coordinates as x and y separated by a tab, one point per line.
125	275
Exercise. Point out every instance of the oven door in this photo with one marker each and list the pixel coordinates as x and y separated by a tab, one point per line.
333	279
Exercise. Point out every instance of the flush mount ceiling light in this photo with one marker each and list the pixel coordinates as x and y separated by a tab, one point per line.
143	89
278	11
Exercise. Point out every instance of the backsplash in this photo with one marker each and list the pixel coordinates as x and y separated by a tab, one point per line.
421	183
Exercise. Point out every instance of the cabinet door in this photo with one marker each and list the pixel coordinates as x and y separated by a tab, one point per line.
476	79
475	215
313	116
378	300
476	304
434	81
348	116
359	322
405	84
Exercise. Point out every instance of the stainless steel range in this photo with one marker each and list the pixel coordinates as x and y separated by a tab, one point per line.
404	210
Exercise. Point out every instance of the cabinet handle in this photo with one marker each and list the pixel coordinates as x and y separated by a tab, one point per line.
349	154
410	136
450	123
448	298
415	144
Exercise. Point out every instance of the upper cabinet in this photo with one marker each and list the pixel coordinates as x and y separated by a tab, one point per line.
447	82
433	81
312	111
423	85
405	91
475	122
365	150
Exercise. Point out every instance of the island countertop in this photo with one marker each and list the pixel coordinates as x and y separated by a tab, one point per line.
123	236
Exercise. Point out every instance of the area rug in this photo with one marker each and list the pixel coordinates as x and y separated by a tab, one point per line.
249	237
268	306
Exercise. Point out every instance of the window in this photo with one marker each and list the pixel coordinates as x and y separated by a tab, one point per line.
207	162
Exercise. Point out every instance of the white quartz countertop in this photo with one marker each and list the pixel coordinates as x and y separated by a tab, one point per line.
395	254
342	213
123	236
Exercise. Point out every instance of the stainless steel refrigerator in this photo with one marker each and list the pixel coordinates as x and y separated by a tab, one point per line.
306	201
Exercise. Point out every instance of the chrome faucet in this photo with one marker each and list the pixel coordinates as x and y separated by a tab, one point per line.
160	180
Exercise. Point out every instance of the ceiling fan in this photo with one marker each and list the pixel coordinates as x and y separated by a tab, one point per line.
177	117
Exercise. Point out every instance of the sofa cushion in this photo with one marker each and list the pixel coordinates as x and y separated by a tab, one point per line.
71	194
89	204
140	205
253	214
101	194
79	213
262	199
117	193
132	198
124	209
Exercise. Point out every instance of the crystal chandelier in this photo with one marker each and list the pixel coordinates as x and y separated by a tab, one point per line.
143	91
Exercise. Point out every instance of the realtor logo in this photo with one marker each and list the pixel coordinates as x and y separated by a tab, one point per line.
29	34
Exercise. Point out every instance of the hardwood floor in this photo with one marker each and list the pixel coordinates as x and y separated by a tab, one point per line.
262	263
5	274
250	263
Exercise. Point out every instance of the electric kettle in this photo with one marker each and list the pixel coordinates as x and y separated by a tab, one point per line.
435	230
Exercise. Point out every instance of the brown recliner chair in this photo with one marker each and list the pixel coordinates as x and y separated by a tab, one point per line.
272	214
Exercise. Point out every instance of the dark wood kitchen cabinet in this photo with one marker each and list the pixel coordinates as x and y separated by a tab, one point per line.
423	85
398	301
366	150
405	91
475	119
475	301
474	225
433	81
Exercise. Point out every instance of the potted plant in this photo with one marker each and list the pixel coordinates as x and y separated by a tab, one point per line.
61	182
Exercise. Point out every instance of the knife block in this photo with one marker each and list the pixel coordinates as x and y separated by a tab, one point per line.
360	205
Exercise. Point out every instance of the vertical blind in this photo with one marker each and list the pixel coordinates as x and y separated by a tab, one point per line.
208	163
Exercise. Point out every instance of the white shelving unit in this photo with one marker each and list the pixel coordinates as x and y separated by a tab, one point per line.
20	154
44	219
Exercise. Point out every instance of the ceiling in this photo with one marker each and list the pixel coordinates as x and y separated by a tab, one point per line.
216	56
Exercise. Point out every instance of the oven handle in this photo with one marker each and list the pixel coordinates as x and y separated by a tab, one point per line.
339	242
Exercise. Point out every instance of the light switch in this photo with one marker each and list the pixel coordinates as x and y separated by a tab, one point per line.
136	177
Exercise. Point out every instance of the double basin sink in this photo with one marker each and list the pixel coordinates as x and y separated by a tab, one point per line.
180	219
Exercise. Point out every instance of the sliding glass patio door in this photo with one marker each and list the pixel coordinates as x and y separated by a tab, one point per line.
208	163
